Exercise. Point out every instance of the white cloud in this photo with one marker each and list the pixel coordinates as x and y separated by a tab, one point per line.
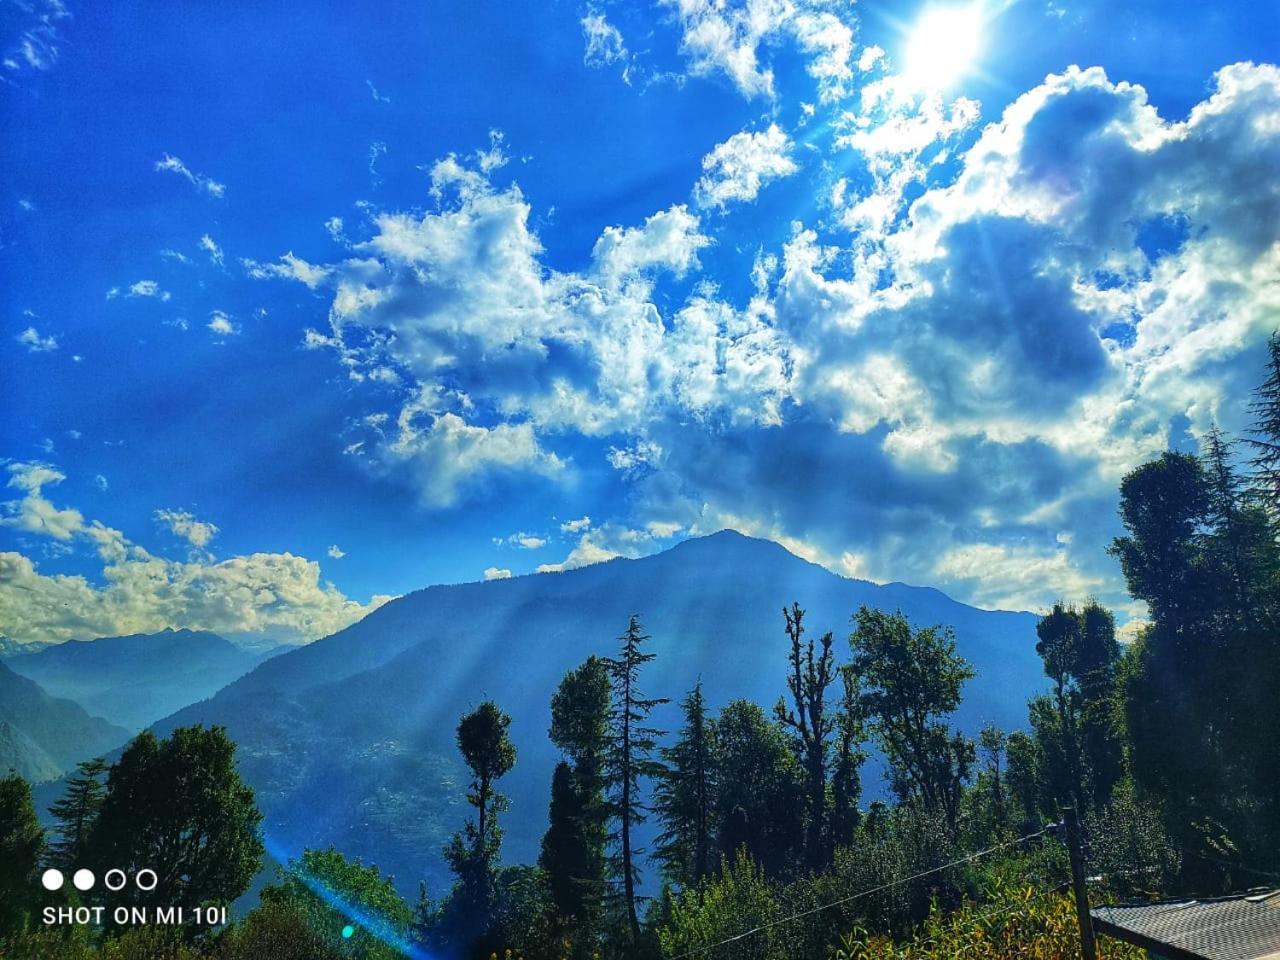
724	37
448	453
222	325
35	343
38	39
728	37
147	289
604	44
171	164
669	240
736	170
210	246
663	529
496	573
586	553
575	526
279	595
289	268
377	150
100	482
607	542
182	524
34	513
828	41
1011	577
901	344
335	552
373	92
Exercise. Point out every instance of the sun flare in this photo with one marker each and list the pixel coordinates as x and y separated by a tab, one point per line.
942	45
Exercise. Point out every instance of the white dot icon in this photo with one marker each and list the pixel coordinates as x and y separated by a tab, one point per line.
52	879
83	879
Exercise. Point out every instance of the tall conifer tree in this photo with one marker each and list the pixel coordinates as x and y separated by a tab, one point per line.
630	760
76	812
685	797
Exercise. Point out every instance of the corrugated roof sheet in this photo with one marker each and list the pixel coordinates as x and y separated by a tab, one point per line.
1242	927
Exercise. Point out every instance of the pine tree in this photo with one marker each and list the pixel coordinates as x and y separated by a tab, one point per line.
1236	544
76	812
630	759
684	798
21	844
810	725
1266	428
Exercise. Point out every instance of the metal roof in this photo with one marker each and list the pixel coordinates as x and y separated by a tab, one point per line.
1241	927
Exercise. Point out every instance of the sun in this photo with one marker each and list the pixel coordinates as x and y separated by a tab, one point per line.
942	45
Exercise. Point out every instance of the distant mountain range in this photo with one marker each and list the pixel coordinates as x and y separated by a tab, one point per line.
135	680
42	736
349	741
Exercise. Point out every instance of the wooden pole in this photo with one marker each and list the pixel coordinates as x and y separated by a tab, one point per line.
1088	948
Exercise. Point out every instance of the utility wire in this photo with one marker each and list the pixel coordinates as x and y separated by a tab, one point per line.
864	893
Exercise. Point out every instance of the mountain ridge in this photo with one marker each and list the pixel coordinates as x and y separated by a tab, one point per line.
44	736
136	679
349	740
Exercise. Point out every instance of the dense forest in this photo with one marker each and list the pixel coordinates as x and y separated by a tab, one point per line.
764	847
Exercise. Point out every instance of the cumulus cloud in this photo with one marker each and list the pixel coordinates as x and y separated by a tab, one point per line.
720	37
35	343
1005	577
446	453
335	552
34	513
222	325
496	573
606	542
962	363
500	352
274	594
668	240
171	164
182	524
736	170
727	37
575	526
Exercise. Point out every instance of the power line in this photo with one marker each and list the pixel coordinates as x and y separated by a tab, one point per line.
865	893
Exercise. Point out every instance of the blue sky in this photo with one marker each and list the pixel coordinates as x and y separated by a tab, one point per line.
303	308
